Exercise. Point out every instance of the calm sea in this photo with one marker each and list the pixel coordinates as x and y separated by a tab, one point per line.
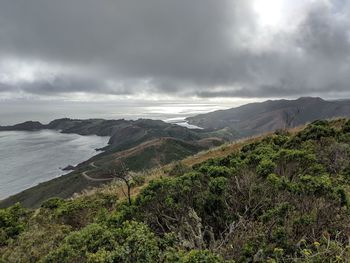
28	158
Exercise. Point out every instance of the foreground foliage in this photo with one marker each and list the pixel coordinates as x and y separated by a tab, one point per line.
284	198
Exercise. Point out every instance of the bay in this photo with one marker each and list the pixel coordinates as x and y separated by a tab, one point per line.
29	158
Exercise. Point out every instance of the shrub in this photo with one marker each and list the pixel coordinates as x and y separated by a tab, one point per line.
12	222
179	169
265	167
346	127
217	171
139	180
316	131
53	203
218	186
133	242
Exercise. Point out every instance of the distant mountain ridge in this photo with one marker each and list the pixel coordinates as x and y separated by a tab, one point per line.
257	118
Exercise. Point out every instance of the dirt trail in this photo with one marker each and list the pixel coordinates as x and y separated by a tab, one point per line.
87	177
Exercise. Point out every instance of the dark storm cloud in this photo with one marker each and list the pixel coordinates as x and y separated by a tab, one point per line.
153	37
325	34
174	47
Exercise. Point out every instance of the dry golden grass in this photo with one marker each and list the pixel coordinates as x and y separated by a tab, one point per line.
223	150
119	189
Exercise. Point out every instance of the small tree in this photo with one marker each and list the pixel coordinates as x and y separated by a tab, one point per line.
123	174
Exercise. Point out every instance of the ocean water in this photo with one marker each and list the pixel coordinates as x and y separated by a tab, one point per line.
28	158
46	111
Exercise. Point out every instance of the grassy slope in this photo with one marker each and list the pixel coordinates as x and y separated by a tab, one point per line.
147	155
273	216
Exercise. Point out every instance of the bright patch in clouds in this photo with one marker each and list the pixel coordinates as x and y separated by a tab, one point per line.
14	71
283	15
269	12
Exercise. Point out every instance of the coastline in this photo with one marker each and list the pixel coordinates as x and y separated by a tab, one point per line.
35	157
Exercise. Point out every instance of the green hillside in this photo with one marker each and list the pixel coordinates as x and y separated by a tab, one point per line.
150	154
283	197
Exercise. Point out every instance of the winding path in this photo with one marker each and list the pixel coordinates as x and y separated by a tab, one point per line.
87	177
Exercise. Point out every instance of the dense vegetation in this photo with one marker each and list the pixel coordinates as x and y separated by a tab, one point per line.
284	198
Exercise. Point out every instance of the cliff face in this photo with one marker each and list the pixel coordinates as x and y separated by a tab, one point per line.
268	116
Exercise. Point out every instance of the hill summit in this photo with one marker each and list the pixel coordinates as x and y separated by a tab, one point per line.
257	118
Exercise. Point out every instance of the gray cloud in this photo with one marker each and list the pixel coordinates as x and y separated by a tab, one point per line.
207	48
325	34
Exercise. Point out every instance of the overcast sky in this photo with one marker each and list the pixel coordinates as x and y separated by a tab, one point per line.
203	50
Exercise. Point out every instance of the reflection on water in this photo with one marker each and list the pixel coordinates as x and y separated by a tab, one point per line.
43	111
182	122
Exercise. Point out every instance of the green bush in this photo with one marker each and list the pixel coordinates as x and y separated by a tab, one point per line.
13	221
179	169
139	180
133	242
265	167
218	186
217	171
316	131
53	203
346	127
